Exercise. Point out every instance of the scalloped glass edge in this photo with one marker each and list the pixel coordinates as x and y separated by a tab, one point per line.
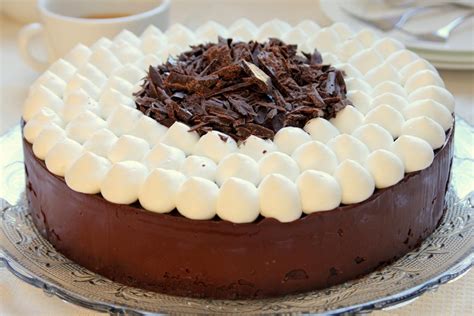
459	200
387	303
392	302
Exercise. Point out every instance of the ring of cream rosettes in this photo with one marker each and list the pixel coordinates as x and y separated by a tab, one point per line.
81	119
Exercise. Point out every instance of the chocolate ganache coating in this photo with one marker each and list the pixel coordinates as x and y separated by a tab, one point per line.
171	254
242	89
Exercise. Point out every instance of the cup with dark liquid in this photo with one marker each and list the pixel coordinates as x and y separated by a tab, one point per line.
64	24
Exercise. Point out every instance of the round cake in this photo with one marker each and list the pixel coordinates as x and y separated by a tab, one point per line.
238	163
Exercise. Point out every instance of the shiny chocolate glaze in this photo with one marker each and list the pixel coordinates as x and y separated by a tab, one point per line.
170	254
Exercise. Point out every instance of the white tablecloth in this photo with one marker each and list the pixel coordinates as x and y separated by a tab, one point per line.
18	298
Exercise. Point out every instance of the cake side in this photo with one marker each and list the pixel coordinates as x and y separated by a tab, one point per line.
219	259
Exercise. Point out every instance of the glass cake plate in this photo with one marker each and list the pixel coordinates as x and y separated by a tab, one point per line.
444	256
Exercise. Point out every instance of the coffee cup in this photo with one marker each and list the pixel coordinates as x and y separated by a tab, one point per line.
64	24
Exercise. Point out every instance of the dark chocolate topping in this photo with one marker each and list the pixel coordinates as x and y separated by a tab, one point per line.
242	89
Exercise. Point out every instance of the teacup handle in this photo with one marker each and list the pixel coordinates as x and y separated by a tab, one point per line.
27	33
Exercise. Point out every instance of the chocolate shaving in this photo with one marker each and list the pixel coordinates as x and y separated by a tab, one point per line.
223	138
259	77
242	89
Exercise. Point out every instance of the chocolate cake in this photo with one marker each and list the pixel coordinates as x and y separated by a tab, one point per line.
210	164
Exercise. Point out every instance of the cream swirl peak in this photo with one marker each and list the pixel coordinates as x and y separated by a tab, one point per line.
242	88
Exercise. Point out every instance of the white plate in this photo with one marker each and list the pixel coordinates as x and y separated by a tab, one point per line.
461	40
452	66
445	57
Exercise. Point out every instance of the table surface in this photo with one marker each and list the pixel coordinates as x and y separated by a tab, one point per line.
15	77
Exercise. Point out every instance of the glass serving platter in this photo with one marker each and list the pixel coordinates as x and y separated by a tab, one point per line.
444	256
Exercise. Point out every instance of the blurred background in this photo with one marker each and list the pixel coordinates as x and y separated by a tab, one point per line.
454	59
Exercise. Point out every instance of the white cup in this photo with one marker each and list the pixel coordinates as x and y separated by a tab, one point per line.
64	24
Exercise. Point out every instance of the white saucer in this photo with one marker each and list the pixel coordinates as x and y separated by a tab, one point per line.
452	66
445	57
460	42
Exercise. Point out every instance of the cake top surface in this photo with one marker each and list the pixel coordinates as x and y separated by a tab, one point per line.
242	88
95	120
